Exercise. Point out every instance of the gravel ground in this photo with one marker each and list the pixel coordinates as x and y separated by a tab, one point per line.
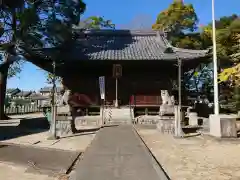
194	158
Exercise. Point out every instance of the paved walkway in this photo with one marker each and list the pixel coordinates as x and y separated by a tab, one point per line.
117	153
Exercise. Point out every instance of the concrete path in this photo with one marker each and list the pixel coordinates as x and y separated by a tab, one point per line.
117	153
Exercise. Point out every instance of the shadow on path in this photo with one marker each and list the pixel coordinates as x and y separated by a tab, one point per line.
39	160
26	127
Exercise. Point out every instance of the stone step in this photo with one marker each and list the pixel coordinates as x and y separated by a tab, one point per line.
114	113
118	122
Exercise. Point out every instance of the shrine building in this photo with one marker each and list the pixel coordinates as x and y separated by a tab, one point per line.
136	65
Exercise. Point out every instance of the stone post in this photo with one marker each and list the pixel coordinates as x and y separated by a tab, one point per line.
178	115
193	119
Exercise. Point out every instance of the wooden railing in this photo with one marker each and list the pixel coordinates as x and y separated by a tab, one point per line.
145	100
23	109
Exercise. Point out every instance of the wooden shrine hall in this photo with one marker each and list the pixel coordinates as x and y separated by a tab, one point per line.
136	65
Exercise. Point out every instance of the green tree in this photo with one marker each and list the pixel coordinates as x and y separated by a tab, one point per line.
50	77
179	20
228	43
93	22
228	51
97	22
227	37
29	26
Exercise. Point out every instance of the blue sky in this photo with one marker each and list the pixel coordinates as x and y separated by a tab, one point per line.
133	14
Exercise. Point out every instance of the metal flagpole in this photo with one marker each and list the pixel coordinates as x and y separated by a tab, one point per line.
215	67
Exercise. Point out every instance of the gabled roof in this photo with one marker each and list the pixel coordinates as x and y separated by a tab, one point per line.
49	89
13	91
130	45
24	93
37	96
114	45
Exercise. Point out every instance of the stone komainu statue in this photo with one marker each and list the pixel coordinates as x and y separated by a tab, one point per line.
65	98
167	107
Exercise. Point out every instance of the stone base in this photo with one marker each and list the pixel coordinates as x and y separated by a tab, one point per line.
166	126
63	128
223	125
63	109
87	120
146	119
52	137
166	109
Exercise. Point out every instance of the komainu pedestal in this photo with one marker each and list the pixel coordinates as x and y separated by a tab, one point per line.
63	121
63	116
166	112
166	125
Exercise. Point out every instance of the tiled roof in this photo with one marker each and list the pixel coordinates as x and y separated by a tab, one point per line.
49	89
130	45
36	96
24	93
13	91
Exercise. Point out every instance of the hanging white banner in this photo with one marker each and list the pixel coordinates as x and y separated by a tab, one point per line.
102	86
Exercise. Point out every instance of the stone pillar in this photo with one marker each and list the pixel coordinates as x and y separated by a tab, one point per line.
166	126
63	121
63	126
223	125
101	120
178	115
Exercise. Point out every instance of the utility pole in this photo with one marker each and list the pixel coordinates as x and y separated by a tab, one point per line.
215	66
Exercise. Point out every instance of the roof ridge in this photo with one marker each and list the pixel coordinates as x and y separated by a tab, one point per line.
121	32
190	50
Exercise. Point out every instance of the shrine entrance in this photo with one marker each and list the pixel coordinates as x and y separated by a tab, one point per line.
116	92
121	91
131	87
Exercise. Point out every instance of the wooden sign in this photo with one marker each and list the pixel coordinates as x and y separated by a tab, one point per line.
117	70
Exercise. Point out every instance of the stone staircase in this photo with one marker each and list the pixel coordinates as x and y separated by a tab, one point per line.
114	115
